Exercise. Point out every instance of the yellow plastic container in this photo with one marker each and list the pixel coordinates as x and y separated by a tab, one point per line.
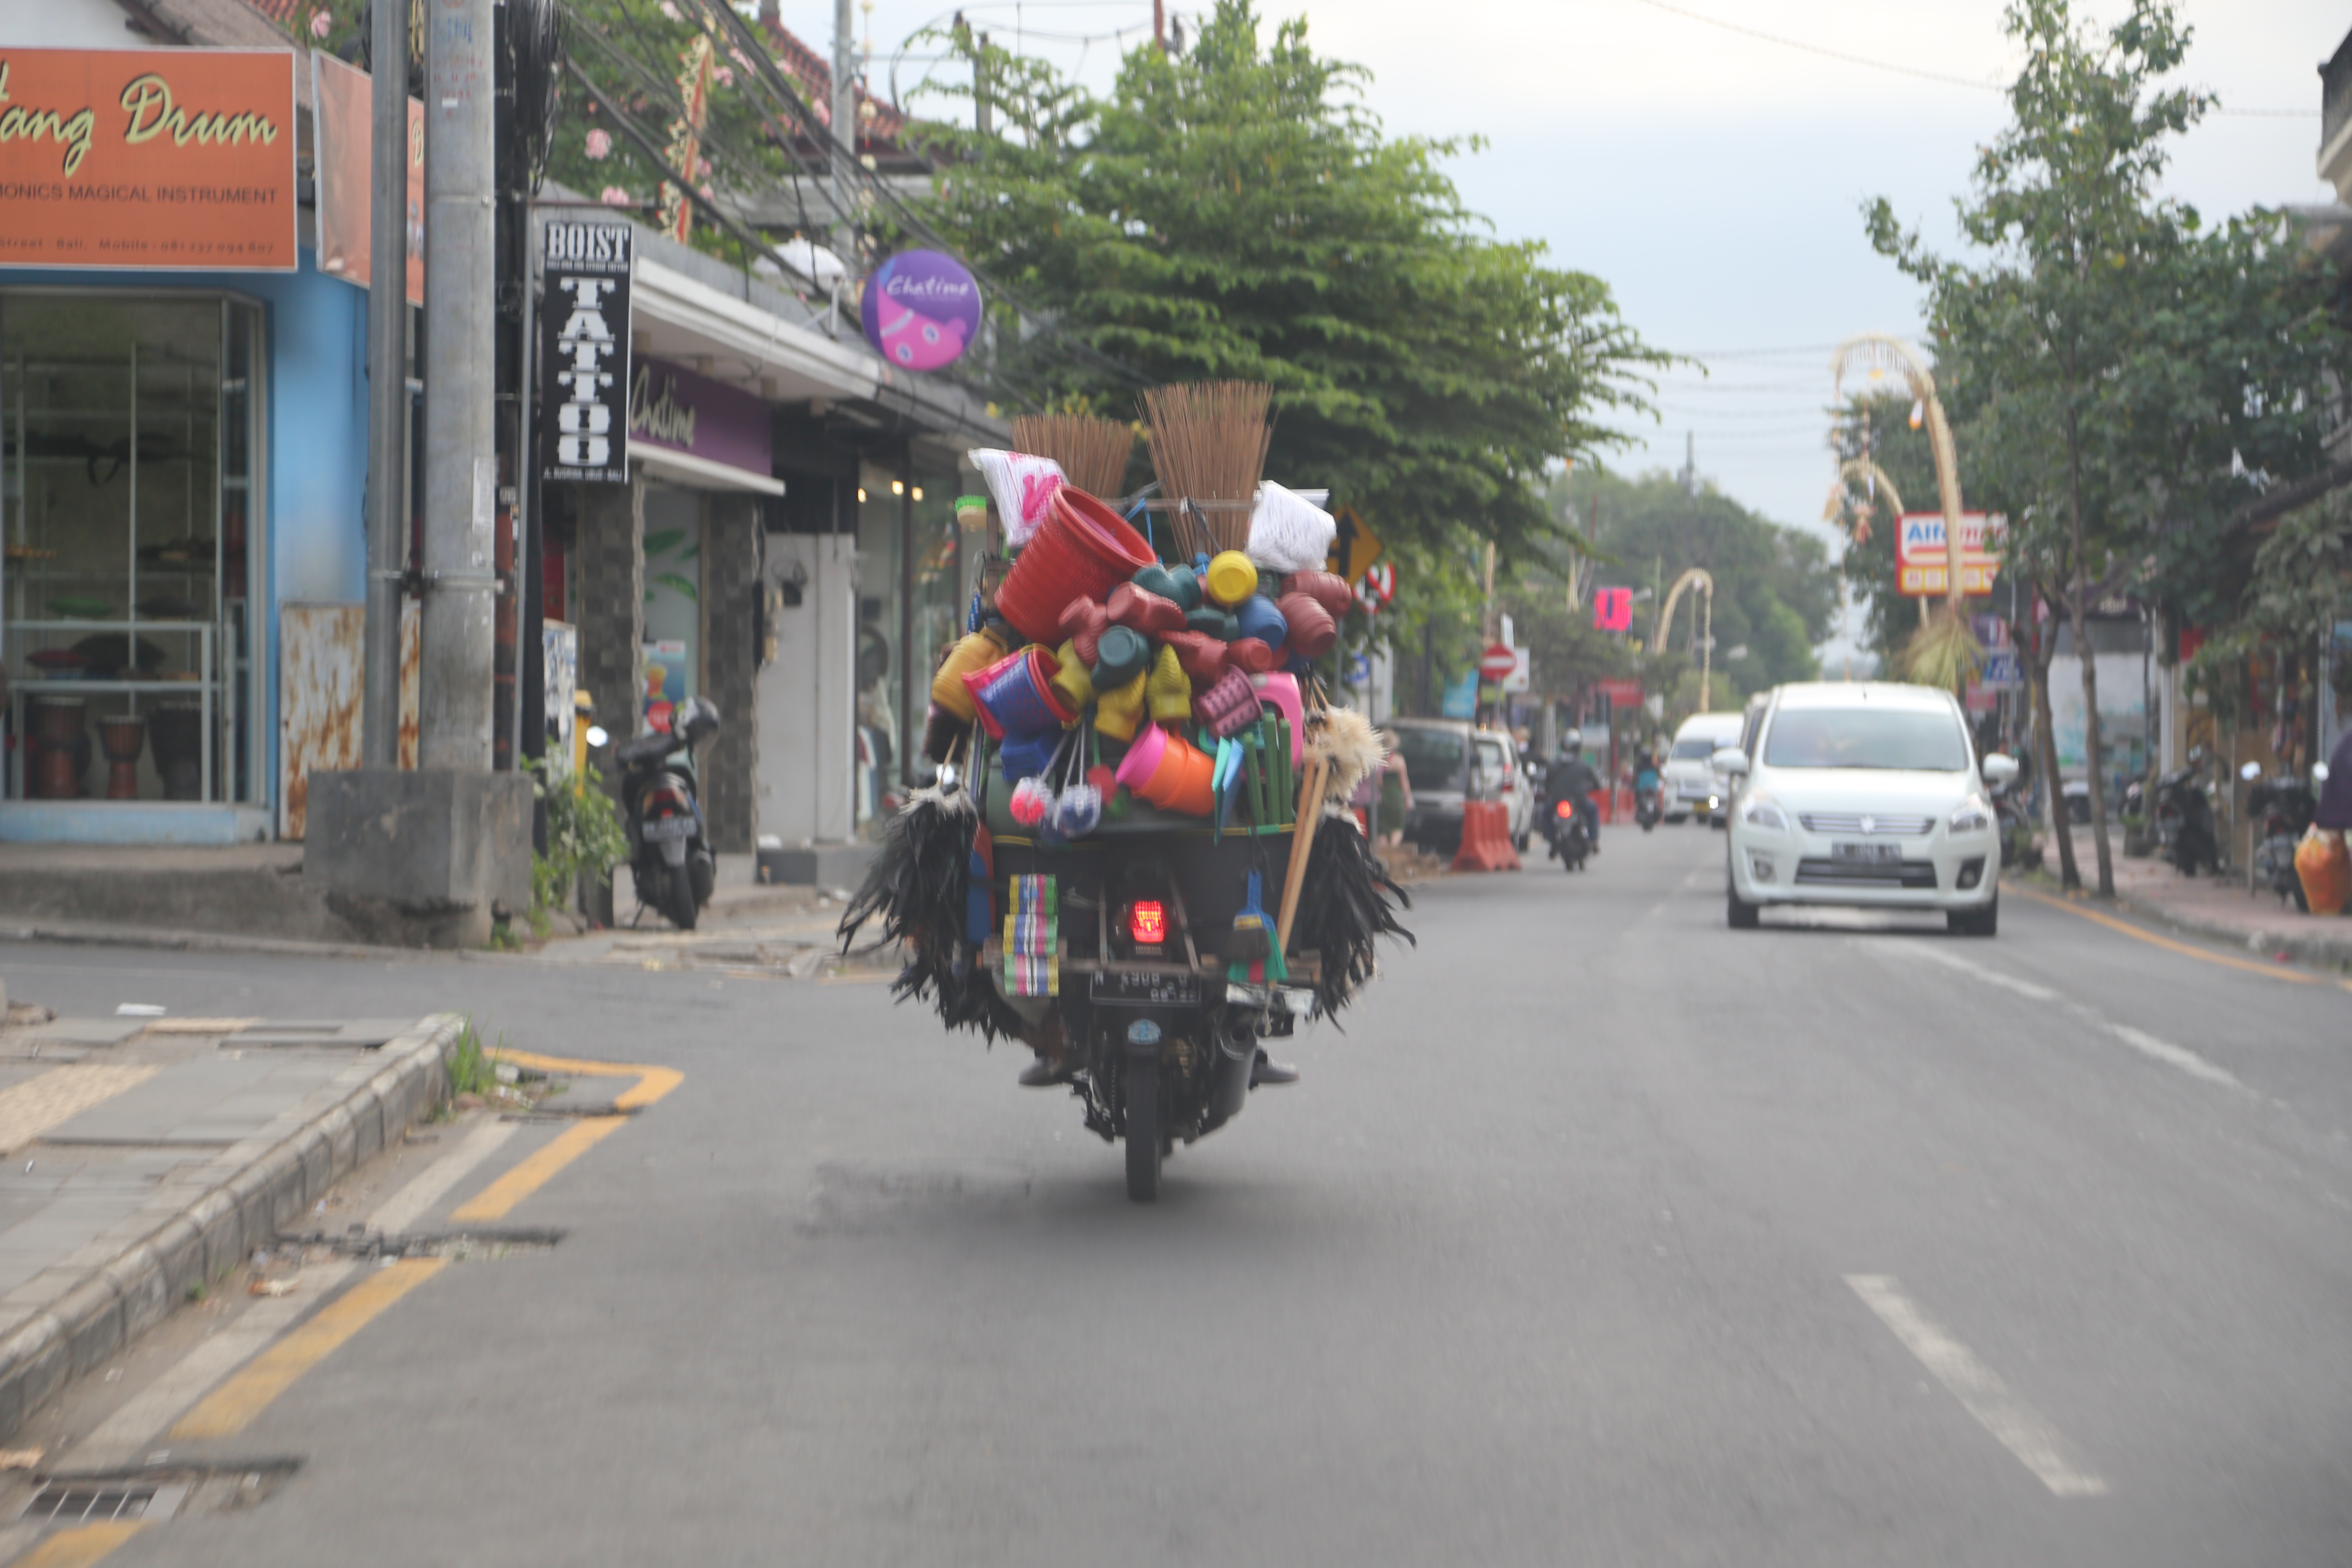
1233	578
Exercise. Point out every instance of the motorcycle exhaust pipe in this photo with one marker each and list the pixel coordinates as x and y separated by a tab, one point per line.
1229	1075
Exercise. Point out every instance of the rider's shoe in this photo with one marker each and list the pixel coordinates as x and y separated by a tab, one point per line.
1044	1073
1266	1071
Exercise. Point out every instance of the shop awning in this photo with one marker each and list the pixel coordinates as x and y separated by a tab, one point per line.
700	472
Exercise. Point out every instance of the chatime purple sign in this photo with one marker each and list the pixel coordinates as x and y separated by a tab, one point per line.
921	308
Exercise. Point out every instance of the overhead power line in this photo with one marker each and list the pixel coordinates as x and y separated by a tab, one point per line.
1947	80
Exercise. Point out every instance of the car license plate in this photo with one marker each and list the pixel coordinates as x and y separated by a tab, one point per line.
1134	988
662	827
1872	852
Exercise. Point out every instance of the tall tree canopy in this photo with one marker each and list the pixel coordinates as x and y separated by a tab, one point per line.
1235	211
2125	374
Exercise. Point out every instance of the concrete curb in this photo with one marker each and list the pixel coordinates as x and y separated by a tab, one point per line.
2319	949
250	1195
2326	950
78	934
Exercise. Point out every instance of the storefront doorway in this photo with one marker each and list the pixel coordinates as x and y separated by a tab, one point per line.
130	479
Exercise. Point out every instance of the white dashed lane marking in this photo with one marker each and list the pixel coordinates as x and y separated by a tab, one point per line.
2180	1057
2019	1427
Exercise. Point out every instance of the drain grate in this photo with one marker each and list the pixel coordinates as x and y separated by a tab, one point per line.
154	1494
102	1503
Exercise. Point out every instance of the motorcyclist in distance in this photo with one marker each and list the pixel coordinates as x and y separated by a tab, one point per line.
1573	779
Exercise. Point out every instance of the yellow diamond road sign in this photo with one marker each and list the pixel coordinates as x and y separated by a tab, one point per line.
1354	548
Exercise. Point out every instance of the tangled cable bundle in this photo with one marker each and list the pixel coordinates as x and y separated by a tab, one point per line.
1344	909
916	885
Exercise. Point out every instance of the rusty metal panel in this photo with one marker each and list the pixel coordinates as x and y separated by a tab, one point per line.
320	657
412	661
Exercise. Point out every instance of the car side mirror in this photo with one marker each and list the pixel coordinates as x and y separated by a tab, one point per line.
1732	760
1998	770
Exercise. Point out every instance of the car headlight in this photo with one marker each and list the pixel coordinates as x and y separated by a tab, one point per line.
1760	812
1972	815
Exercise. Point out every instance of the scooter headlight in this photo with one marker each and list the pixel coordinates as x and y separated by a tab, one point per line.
1761	812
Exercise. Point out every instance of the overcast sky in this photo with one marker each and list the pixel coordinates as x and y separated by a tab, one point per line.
1712	178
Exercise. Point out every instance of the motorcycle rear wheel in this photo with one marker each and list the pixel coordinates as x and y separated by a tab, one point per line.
673	890
1143	1118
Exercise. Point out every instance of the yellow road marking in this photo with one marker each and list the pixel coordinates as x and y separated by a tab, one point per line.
80	1546
2273	971
499	1199
33	1107
231	1406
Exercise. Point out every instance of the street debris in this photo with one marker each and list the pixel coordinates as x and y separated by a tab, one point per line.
283	1286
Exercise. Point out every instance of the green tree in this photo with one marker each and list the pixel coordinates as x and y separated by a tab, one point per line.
2122	372
1776	593
1236	212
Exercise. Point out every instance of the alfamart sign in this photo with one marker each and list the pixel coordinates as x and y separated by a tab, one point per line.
1923	565
157	159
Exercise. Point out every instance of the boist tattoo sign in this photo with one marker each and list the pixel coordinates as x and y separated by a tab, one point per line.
585	392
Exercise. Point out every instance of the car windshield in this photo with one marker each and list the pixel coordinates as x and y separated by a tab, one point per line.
1490	757
1691	748
1908	739
1434	759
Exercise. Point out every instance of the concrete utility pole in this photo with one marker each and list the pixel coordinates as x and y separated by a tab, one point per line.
845	133
387	319
461	472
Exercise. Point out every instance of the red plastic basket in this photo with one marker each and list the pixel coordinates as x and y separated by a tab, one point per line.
1083	549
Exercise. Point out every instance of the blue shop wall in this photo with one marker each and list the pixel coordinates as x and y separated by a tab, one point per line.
315	333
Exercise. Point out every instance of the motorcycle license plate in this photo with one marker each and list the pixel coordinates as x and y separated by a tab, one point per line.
662	827
1874	853
1132	988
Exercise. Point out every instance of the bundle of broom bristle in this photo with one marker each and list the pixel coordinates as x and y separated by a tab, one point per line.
1208	447
1092	452
1344	909
916	885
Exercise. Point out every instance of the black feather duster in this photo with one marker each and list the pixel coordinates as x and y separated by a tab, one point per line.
916	885
1343	908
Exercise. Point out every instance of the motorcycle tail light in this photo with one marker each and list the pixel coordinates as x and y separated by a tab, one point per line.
1565	808
1146	922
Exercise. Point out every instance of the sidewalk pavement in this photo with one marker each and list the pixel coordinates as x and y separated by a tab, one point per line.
143	1158
2218	907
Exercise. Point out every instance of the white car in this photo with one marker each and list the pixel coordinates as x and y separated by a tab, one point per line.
1688	781
1865	794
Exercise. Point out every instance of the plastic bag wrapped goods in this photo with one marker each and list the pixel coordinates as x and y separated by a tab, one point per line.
1023	487
1289	532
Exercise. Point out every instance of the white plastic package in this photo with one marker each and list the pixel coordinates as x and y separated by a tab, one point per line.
1023	486
1289	532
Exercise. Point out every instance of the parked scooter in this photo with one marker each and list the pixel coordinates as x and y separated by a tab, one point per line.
2184	819
2282	805
669	852
2015	819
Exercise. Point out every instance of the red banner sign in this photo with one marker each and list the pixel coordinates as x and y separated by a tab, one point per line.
157	159
346	162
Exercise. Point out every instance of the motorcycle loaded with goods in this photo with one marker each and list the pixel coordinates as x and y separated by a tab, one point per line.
1136	857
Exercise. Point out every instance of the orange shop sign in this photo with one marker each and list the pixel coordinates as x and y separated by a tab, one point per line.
147	158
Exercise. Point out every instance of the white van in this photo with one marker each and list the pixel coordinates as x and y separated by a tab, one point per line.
1688	781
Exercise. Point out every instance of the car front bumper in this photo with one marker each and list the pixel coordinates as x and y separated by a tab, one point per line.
1938	870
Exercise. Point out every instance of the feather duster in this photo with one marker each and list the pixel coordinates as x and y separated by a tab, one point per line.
919	887
1343	908
1351	750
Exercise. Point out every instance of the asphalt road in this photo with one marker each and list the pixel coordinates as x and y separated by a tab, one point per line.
1603	1234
